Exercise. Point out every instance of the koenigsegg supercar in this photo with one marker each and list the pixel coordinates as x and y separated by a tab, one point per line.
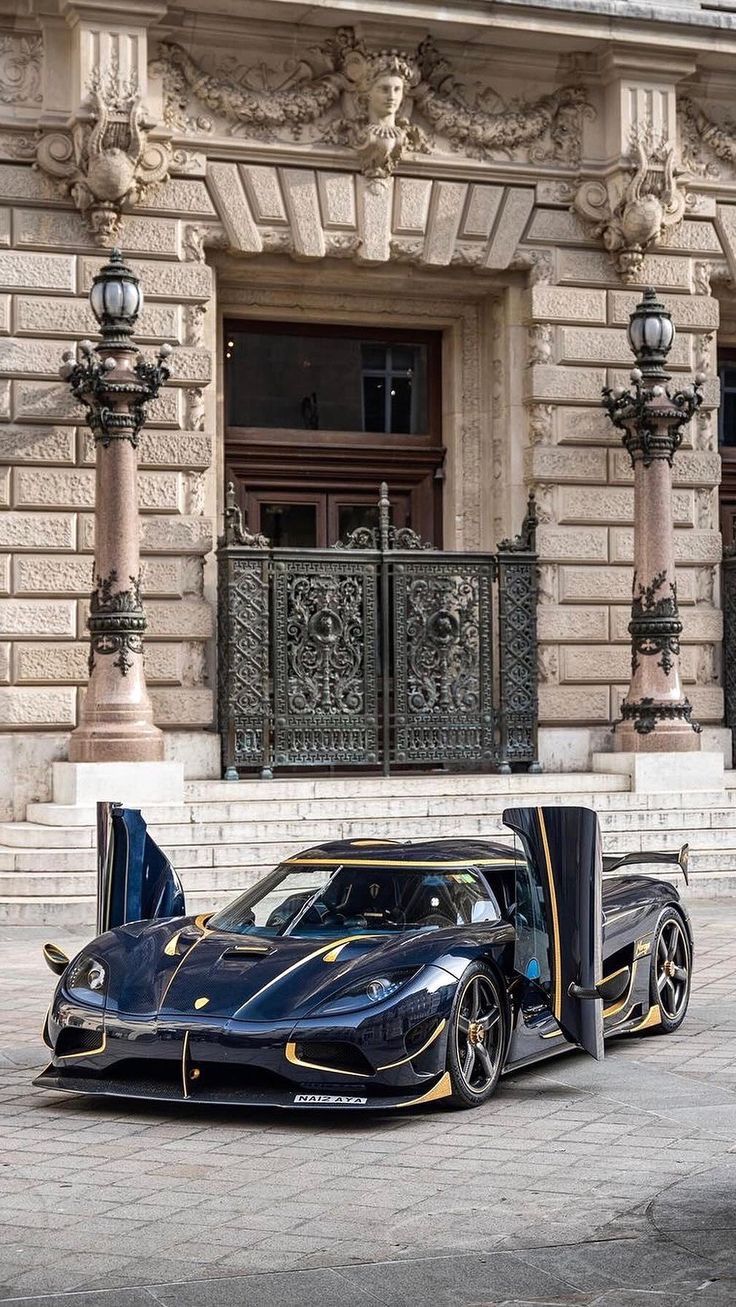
369	974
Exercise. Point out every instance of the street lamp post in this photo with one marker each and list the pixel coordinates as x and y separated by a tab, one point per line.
656	715
115	384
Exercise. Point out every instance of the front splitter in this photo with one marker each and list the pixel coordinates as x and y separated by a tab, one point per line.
109	1087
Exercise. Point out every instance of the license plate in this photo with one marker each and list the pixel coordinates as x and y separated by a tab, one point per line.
316	1100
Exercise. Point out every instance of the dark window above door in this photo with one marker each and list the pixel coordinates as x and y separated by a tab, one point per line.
327	379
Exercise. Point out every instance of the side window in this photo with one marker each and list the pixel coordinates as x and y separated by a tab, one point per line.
532	939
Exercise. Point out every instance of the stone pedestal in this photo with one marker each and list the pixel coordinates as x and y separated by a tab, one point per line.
662	773
136	784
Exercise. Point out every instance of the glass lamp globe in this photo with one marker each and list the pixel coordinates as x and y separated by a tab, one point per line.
116	296
651	330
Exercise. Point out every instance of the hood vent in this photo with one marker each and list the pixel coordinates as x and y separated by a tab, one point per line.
238	952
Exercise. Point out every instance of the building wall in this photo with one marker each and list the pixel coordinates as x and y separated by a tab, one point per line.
283	222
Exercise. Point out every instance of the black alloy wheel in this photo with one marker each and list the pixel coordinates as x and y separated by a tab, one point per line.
477	1037
670	972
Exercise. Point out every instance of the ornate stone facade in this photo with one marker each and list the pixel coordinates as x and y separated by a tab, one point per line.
485	188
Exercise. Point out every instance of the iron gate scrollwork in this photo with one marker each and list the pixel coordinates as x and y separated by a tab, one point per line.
728	588
377	652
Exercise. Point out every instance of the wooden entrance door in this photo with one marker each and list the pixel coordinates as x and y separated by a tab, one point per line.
365	407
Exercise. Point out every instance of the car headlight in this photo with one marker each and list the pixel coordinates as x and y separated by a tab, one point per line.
366	993
87	979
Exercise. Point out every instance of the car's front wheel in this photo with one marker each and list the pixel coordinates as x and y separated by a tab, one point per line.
477	1040
669	983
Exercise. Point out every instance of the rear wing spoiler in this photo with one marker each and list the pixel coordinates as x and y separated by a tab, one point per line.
615	861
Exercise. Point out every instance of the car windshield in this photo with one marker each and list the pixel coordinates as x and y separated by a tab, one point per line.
332	897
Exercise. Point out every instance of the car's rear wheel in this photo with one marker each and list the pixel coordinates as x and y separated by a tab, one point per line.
477	1039
670	972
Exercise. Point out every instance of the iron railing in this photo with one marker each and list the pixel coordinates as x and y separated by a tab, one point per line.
379	652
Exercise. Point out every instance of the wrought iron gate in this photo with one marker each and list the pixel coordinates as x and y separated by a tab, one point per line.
728	597
378	652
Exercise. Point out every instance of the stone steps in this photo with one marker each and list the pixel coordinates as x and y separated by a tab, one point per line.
226	835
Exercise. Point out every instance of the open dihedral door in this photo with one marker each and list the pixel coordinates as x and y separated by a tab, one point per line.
563	848
135	880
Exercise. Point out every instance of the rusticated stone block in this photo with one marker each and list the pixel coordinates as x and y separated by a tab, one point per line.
162	281
43	272
594	268
4	314
570	545
72	575
5	400
696	467
557	227
546	382
615	504
689	312
37	531
234	209
36	444
4	487
608	345
568	703
75	488
553	463
46	229
565	304
40	358
161	449
573	623
37	617
605	663
700	625
190	619
21	706
707	701
691	547
190	366
51	663
4	663
579	585
160	535
4	574
182	707
22	182
179	196
43	401
46	316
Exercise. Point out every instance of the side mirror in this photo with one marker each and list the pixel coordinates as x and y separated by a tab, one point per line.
55	958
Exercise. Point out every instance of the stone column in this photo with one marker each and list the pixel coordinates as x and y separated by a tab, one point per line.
114	384
656	715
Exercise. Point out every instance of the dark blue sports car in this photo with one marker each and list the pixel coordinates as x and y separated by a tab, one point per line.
369	974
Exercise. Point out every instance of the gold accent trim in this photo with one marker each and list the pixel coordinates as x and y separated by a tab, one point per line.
201	921
385	862
553	1034
256	949
316	953
642	946
184	1050
372	844
170	949
54	957
388	1066
92	1052
177	969
613	975
621	1003
291	1055
335	952
557	998
652	1018
201	1002
442	1089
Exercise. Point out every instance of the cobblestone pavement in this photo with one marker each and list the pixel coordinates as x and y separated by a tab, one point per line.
580	1183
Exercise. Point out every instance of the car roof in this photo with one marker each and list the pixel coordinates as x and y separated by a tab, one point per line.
397	853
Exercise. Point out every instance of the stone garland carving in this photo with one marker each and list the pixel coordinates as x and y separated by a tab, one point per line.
540	343
21	60
342	93
701	136
540	424
107	162
633	210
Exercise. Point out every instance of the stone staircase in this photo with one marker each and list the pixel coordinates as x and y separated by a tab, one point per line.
227	834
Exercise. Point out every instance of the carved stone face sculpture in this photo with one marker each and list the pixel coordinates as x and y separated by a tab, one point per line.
385	96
